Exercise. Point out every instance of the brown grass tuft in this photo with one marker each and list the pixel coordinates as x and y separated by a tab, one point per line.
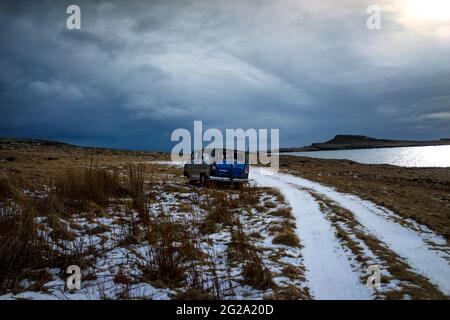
195	294
8	191
289	293
169	248
22	250
74	191
249	196
287	238
256	274
283	212
137	179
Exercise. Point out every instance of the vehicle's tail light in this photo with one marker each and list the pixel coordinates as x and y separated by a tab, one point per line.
247	169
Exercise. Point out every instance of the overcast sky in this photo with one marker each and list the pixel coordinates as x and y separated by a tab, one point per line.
139	69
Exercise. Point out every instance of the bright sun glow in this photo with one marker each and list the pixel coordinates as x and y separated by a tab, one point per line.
426	11
426	17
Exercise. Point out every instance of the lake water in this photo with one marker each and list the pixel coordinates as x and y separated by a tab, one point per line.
431	156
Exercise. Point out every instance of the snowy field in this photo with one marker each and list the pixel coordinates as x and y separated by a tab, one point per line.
283	237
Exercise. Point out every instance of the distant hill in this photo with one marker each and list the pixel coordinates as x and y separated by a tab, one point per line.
18	143
343	142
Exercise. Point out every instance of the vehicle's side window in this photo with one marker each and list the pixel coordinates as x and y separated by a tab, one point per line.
210	156
207	157
197	159
239	157
229	156
220	155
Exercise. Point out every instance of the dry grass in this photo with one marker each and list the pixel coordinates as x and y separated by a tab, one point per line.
131	229
291	272
289	293
34	169
72	192
170	248
219	209
9	191
255	273
282	212
27	251
195	294
249	196
59	229
239	245
22	251
241	250
136	179
76	189
287	238
284	232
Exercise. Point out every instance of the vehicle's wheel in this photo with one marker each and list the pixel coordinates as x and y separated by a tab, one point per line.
237	185
203	181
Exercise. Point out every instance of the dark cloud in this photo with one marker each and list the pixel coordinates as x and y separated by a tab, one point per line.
139	69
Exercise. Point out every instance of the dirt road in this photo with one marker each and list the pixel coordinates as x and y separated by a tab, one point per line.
343	235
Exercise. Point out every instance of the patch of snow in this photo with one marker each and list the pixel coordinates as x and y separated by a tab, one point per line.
167	163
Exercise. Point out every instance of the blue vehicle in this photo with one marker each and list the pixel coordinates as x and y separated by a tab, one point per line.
219	165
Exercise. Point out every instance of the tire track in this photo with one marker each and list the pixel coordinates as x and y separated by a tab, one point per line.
398	281
329	271
414	246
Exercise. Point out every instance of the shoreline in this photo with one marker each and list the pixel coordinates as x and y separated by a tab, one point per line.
353	142
418	156
306	149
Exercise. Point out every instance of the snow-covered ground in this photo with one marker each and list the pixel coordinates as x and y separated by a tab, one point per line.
117	269
329	272
340	236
